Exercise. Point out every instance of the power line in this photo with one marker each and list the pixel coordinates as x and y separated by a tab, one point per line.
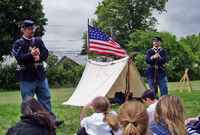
60	40
65	25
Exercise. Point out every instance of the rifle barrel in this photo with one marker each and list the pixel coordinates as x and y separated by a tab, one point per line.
156	75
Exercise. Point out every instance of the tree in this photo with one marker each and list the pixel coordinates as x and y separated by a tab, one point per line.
193	42
127	16
12	13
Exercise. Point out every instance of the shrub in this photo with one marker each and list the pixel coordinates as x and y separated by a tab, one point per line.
7	77
66	74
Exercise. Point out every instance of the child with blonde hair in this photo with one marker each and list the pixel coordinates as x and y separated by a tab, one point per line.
169	117
102	122
133	118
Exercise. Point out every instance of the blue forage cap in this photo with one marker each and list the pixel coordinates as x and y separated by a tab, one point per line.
158	38
27	24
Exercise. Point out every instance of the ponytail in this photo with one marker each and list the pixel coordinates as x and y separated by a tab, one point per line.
112	120
133	118
102	105
131	129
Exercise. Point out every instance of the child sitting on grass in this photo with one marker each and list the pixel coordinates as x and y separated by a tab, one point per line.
150	101
169	117
35	120
102	122
133	118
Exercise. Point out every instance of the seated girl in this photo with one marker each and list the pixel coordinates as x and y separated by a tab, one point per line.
102	122
35	120
133	118
169	117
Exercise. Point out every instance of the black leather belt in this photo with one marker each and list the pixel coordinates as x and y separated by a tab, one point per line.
34	64
153	66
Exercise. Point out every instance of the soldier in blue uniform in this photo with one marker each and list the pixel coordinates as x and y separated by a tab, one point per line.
30	52
150	59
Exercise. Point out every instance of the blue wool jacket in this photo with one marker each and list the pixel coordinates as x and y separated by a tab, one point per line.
22	53
149	73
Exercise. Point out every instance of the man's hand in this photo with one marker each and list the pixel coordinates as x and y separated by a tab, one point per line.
37	58
35	51
155	56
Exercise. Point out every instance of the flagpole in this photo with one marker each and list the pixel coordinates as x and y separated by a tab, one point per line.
111	35
88	43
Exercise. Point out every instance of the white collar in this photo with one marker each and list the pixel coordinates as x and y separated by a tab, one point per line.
155	47
27	38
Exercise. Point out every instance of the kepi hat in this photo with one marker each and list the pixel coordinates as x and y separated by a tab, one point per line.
158	38
27	24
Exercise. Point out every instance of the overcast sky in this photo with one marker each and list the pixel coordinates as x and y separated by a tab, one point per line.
181	19
72	16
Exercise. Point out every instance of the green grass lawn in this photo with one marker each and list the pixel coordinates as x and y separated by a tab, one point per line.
10	107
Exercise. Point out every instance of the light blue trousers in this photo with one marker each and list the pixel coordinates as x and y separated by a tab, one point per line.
162	83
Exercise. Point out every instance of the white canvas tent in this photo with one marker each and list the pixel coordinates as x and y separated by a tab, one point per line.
104	79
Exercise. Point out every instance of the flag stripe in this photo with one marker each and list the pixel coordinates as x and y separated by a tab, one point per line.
106	45
114	43
108	52
107	49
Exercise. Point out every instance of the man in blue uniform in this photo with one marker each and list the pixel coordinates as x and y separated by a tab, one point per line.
151	56
30	53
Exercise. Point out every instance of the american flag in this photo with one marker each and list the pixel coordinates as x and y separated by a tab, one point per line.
101	43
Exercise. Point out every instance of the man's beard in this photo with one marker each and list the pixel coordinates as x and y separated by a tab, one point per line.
31	35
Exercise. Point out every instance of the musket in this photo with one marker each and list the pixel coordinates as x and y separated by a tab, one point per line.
156	74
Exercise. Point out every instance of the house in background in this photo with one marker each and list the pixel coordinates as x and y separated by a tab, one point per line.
74	59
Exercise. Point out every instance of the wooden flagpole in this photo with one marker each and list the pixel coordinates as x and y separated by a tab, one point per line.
88	43
111	35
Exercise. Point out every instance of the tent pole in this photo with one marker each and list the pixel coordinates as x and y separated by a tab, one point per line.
128	85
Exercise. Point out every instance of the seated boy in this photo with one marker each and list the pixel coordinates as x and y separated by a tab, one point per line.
150	101
193	125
